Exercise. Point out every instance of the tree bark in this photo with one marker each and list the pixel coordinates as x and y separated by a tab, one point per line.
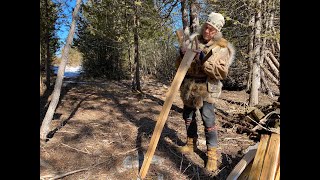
265	83
41	83
45	127
265	15
185	21
278	46
265	21
271	24
254	93
250	52
194	18
184	14
136	49
272	48
47	48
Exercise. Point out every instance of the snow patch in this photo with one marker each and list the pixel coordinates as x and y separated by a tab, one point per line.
70	72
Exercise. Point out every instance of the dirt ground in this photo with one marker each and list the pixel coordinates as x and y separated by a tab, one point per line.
103	129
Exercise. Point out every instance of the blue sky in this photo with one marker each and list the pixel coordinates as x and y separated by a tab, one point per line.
70	4
67	10
64	29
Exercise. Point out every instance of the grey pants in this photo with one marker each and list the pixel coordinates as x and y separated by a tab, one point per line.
208	118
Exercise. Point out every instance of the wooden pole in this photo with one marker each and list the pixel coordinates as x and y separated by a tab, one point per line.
175	85
269	74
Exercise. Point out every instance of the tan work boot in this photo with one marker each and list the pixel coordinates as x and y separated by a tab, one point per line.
191	146
212	159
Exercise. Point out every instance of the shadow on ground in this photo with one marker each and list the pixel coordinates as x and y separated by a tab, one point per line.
145	126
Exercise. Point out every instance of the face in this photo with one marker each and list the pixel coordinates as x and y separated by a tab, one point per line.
208	32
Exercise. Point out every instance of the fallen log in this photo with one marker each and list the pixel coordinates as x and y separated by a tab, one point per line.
272	66
274	59
269	74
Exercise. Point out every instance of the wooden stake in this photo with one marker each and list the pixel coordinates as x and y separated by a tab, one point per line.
175	85
272	66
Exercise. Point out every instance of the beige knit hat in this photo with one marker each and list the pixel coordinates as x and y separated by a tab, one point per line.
216	20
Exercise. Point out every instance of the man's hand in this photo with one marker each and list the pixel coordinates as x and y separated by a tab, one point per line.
199	56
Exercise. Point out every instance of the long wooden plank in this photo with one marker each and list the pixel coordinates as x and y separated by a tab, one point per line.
277	174
259	158
272	158
246	172
179	34
240	167
175	85
278	170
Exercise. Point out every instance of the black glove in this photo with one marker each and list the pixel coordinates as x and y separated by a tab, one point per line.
201	55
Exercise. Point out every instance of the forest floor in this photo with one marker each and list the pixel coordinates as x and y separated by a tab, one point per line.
103	129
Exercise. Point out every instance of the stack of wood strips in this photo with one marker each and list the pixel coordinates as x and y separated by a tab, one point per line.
262	163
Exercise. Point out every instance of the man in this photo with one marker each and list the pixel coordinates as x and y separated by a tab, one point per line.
201	85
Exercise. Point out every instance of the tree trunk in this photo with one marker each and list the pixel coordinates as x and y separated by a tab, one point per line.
250	52
184	14
278	46
129	52
131	66
45	127
265	31
265	15
272	48
129	57
271	24
47	48
136	49
184	17
265	83
41	82
194	18
254	93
